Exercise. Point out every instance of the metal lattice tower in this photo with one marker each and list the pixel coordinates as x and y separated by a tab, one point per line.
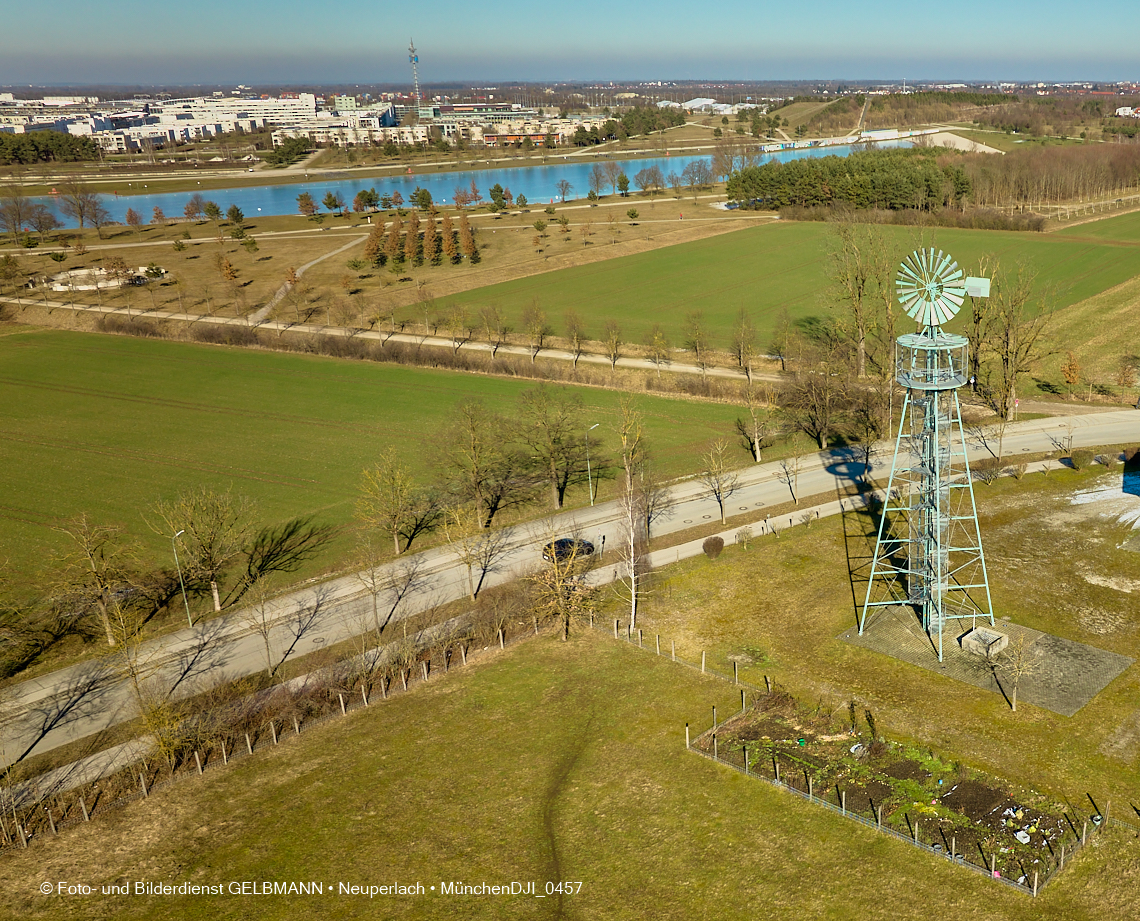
414	60
928	554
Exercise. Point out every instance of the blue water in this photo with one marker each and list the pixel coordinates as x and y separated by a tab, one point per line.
537	183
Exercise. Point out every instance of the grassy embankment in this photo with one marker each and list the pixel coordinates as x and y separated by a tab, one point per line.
552	761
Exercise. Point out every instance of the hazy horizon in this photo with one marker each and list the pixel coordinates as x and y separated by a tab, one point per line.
212	43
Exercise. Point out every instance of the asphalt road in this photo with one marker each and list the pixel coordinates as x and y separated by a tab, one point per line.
58	708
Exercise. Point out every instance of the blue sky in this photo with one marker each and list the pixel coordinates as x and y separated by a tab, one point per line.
254	41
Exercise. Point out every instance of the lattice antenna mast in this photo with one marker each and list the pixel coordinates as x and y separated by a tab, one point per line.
928	553
414	60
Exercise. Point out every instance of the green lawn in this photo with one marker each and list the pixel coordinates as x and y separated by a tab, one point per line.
109	424
772	266
552	761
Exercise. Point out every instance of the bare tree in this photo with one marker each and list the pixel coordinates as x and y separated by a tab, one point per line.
535	325
789	475
391	501
575	334
78	202
495	329
1015	335
481	549
550	426
564	188
634	539
757	430
483	465
613	343
97	568
1018	661
560	589
697	337
870	419
815	401
854	254
719	479
657	344
260	616
216	526
785	340
744	342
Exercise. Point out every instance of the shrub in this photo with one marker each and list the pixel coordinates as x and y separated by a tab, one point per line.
713	547
1080	458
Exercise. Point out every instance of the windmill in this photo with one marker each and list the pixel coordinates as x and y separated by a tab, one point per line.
928	554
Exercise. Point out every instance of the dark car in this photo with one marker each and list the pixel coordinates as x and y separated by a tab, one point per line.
566	548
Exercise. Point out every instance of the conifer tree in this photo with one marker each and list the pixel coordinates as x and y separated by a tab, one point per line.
449	239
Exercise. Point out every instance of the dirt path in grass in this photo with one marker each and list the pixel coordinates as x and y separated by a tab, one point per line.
260	314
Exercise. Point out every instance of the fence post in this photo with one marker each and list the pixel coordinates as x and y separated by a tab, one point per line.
916	831
1062	856
640	638
23	839
843	802
51	820
629	631
142	783
768	684
714	717
809	788
658	644
993	865
1084	832
424	669
225	757
745	759
536	625
296	726
879	817
776	768
953	848
83	807
743	700
198	761
248	743
502	645
364	694
702	661
273	731
343	712
1034	884
463	651
687	746
716	751
674	648
735	676
615	628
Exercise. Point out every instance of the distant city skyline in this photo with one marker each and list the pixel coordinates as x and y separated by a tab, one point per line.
255	42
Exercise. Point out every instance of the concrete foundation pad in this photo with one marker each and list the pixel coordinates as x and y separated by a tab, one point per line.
1069	675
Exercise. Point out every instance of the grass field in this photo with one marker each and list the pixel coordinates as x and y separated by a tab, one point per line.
781	265
554	761
109	424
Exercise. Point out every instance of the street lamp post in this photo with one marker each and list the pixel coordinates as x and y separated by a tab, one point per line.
181	584
589	475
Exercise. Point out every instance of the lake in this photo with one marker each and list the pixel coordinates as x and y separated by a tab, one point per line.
538	183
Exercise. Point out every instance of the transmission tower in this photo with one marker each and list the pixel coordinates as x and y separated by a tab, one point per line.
414	60
928	554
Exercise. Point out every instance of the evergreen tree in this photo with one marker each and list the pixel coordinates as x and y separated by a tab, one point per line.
431	241
412	240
